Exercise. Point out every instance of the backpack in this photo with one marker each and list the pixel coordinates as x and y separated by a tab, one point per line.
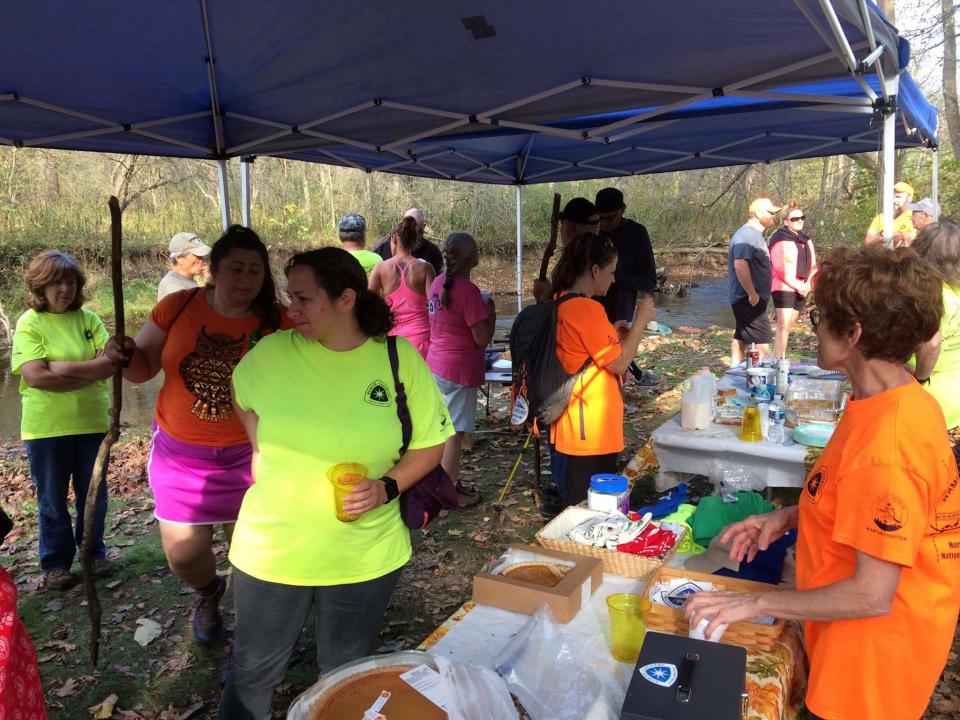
541	388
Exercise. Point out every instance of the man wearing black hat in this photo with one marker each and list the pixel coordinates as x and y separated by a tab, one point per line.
636	267
578	216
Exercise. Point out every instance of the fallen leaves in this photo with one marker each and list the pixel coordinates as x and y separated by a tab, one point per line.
67	689
147	631
104	709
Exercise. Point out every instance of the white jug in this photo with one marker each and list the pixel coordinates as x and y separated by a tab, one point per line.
696	403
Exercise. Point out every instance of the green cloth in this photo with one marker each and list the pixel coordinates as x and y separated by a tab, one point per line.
72	336
682	517
945	380
713	514
367	260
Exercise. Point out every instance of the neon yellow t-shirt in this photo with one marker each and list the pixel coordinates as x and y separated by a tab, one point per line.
902	224
317	408
945	379
367	259
72	336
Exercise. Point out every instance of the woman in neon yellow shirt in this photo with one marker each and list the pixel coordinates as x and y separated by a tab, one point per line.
58	354
938	361
309	399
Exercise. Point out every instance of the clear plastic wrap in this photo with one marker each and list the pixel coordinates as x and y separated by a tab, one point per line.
814	400
729	479
558	675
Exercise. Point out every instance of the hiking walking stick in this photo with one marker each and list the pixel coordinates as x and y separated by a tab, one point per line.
498	506
552	245
99	466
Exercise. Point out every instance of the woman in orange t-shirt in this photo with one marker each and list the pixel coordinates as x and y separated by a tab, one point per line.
200	459
878	549
590	430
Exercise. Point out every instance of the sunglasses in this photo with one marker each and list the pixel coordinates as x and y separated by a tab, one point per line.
797	217
815	316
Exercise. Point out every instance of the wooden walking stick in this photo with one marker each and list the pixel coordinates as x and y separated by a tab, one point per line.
552	245
99	467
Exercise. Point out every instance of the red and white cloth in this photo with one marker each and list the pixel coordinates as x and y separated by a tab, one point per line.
21	693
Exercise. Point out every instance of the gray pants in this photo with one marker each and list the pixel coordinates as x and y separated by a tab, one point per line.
270	617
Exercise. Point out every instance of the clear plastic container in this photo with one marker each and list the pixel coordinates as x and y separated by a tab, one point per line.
609	493
814	400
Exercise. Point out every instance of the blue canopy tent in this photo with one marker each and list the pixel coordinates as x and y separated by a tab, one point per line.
495	92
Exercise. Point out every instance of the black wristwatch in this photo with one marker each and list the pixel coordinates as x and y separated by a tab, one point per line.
390	485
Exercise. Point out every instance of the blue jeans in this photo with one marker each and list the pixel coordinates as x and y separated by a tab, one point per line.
53	461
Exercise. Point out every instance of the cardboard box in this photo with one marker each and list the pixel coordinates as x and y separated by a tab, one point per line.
565	599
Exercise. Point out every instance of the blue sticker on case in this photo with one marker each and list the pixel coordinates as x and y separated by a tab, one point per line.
663	674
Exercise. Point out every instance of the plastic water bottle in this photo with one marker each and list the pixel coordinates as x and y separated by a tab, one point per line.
783	376
775	429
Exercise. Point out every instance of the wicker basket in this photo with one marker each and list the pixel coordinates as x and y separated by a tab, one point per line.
752	636
614	562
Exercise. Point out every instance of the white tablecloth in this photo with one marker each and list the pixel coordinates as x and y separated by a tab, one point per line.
699	451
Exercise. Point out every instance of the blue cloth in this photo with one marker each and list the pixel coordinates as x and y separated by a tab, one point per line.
668	504
747	244
767	566
52	463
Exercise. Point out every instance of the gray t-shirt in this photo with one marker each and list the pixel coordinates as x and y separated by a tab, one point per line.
174	282
748	244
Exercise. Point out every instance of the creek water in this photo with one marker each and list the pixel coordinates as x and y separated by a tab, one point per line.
703	306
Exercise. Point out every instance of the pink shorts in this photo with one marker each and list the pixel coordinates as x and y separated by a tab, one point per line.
197	484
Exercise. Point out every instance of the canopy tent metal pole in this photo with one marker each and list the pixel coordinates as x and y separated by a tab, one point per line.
223	187
519	248
888	161
245	164
936	184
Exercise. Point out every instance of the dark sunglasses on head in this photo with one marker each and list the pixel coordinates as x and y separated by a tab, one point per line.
797	217
815	316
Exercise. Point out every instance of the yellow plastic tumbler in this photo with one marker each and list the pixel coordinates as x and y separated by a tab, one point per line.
344	476
628	625
750	427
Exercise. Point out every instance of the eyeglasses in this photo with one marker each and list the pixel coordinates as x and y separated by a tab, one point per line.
797	217
815	316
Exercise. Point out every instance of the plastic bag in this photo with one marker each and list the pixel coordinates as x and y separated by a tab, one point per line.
729	479
475	692
560	675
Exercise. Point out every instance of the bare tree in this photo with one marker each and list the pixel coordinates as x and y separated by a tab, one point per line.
950	107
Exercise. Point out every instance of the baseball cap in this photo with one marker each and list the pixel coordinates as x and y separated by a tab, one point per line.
609	200
580	211
187	242
927	205
764	204
903	187
352	222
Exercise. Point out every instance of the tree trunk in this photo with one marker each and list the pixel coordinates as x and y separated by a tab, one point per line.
950	107
886	6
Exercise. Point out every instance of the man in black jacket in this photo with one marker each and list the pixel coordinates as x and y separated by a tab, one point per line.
636	266
426	250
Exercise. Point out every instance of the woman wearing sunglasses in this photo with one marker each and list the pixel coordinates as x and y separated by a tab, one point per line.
794	263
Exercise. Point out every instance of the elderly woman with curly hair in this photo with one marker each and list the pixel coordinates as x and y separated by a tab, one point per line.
878	549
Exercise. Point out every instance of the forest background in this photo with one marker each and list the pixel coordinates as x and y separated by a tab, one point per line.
58	198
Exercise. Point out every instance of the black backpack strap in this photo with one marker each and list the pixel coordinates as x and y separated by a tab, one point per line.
403	410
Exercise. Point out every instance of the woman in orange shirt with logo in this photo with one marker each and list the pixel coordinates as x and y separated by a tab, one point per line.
590	430
878	549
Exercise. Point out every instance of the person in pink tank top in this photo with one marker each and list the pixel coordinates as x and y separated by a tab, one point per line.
404	281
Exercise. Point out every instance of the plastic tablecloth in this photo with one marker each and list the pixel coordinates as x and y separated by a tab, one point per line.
475	634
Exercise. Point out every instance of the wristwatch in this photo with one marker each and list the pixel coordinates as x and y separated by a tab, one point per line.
390	485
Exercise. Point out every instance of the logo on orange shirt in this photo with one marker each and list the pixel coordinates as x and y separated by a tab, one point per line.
815	485
889	513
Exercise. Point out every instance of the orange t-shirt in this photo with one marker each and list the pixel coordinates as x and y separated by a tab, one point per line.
584	333
201	350
887	486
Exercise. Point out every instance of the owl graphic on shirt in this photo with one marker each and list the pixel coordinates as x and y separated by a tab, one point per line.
206	374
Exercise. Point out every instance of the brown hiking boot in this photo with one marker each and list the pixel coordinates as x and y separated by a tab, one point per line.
207	622
60	579
102	568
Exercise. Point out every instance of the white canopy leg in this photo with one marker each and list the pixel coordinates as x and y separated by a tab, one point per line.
936	184
888	164
245	164
223	186
519	248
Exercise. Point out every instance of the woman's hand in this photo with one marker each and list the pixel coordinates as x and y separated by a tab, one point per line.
749	536
120	353
366	496
721	608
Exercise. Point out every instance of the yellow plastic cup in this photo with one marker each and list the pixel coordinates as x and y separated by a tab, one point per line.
750	427
628	625
344	477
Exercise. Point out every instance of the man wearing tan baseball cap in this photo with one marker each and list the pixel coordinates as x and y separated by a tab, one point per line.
187	255
749	280
903	230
